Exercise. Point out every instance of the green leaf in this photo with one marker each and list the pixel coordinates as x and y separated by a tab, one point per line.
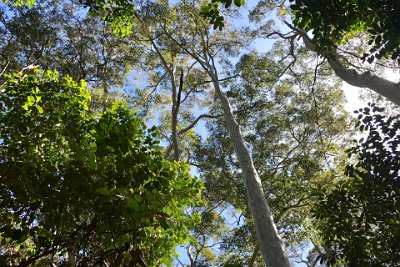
133	204
31	99
39	109
25	106
103	191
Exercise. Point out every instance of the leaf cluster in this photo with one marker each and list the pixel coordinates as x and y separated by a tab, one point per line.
333	22
360	218
79	189
211	11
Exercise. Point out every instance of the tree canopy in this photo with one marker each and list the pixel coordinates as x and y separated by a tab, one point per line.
82	189
84	183
54	35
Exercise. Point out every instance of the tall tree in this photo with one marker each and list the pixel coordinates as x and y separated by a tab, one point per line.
304	123
204	48
203	51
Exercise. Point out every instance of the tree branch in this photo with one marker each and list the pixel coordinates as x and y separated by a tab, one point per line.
386	88
190	126
254	255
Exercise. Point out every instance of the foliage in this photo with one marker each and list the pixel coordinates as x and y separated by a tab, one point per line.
335	21
122	14
290	122
29	3
119	13
61	35
359	219
293	128
84	190
211	11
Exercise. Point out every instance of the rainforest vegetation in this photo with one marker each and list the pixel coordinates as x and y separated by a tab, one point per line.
195	133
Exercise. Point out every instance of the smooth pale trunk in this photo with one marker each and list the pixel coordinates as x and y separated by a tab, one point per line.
268	237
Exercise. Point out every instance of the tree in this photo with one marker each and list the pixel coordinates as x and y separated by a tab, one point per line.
305	125
359	219
84	190
333	22
336	23
173	76
206	47
204	56
61	35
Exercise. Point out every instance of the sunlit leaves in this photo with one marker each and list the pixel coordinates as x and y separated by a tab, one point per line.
29	3
74	182
212	11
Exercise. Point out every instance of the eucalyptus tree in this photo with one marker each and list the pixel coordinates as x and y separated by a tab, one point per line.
295	129
204	47
185	33
179	91
168	78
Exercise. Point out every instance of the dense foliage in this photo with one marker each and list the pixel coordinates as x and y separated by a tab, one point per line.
82	183
61	35
81	190
360	217
335	21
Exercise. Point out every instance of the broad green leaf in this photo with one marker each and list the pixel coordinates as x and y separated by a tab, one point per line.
133	204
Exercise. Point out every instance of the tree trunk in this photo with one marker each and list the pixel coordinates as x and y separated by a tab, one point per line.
271	245
174	126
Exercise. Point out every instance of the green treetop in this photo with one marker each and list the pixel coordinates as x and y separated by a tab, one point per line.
84	190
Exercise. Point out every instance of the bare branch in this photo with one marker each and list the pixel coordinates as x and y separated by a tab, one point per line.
4	68
190	126
298	204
